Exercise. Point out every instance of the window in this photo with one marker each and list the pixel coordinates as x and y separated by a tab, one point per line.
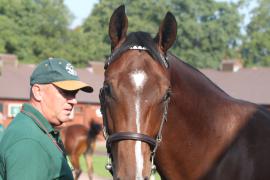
78	109
14	109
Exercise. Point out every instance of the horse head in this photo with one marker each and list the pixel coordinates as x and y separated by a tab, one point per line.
135	95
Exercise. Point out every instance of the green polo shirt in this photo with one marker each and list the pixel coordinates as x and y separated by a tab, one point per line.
28	153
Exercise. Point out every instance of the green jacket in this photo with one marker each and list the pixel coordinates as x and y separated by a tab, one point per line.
27	152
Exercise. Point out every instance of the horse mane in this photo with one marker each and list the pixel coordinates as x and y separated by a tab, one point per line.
138	39
184	64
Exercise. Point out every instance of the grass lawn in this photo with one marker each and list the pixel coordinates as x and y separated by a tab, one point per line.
99	162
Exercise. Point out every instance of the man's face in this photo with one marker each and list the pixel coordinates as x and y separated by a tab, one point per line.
57	104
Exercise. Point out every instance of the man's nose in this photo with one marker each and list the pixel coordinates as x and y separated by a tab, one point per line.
72	100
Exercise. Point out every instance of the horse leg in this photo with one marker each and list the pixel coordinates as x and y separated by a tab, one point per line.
76	165
89	161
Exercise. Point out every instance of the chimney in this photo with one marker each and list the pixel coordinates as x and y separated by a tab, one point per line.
231	65
96	67
90	67
9	60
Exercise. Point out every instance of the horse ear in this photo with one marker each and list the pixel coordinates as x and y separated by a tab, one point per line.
167	32
118	26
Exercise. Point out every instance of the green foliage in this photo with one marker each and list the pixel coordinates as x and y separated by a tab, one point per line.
33	29
256	48
207	30
99	163
8	36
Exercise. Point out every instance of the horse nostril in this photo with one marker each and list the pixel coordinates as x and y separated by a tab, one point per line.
146	178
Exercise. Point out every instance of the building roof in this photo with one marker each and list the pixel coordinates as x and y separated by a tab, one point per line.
93	79
251	84
15	83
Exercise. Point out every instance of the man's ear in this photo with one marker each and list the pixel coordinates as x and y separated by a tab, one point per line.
36	92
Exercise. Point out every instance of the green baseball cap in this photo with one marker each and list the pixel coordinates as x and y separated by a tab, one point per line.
59	72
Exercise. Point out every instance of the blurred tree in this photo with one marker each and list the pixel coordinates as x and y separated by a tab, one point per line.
142	16
208	31
8	36
33	29
256	47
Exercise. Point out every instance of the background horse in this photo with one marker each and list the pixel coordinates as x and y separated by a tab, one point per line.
79	140
156	106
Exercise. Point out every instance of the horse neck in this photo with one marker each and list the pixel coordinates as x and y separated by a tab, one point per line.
198	99
204	117
193	91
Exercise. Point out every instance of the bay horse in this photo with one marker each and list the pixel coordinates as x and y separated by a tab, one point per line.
159	110
79	140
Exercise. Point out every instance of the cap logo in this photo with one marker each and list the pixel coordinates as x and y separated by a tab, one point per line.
70	69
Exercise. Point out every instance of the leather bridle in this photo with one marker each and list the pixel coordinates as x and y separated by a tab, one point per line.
121	136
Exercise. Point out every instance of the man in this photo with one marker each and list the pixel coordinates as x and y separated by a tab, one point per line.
31	148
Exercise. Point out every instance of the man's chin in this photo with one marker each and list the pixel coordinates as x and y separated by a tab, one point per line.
62	123
60	126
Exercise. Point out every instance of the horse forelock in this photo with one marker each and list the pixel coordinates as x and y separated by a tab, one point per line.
138	41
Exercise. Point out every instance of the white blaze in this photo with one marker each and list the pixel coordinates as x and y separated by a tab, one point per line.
138	79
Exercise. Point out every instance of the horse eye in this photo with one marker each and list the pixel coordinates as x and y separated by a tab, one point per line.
167	95
107	90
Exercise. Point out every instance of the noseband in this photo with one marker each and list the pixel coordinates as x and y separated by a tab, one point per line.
121	136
